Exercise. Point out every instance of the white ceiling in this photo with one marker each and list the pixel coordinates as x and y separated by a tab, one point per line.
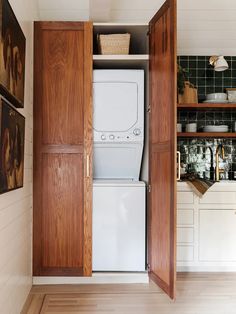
205	27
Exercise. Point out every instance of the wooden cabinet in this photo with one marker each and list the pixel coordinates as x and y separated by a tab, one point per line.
63	143
201	107
62	148
162	148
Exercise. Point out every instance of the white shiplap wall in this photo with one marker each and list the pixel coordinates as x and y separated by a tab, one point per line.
205	27
63	10
16	206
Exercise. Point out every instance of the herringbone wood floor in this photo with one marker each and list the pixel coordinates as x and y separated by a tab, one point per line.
196	294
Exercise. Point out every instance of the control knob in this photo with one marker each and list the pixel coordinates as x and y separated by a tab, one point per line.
111	137
137	132
103	137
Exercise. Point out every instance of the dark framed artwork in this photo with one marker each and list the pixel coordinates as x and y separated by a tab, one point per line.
12	138
12	56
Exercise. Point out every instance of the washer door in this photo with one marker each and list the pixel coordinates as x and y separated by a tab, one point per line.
115	106
117	161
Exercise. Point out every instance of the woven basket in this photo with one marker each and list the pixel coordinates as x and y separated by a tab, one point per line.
114	44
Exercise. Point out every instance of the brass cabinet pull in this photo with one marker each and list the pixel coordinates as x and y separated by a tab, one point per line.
178	172
87	166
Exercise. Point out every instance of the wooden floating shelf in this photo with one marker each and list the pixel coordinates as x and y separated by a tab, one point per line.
205	106
120	57
207	135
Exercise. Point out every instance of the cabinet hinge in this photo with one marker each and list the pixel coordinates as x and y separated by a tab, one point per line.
149	109
149	188
148	33
148	268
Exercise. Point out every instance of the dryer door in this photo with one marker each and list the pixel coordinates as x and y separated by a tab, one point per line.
115	106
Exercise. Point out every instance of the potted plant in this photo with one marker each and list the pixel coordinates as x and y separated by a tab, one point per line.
187	93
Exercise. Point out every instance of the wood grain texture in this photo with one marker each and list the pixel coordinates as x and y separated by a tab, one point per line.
33	304
47	25
62	135
162	146
204	106
196	293
88	149
37	150
63	87
62	211
208	134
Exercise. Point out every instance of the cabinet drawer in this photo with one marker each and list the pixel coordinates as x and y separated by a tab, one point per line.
185	198
185	235
185	253
218	198
217	240
185	217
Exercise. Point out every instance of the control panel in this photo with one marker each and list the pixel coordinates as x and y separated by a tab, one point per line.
134	135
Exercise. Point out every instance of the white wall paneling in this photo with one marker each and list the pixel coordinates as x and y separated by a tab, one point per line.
204	27
64	10
16	206
100	10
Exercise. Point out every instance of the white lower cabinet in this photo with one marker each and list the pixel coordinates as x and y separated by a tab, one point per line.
185	235
217	235
185	217
218	197
185	253
185	197
206	228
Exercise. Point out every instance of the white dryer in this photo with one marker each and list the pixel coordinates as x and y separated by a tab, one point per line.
118	123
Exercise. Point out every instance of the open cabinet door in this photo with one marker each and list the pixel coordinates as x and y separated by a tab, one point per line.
162	176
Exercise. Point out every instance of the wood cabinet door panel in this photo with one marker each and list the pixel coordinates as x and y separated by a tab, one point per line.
162	146
160	218
63	87
62	211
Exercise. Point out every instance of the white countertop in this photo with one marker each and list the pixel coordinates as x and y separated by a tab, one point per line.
223	185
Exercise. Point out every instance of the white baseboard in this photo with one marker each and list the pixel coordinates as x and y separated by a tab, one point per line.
97	278
208	269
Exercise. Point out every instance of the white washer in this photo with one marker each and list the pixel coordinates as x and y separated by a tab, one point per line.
118	226
118	123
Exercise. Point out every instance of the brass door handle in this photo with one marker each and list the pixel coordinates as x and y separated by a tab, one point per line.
87	166
178	169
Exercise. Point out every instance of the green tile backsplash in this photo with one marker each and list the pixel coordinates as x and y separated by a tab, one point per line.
194	154
203	76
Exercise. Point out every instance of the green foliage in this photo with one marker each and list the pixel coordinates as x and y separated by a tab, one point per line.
183	75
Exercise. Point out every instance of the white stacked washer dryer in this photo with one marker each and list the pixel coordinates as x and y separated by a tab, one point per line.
118	195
